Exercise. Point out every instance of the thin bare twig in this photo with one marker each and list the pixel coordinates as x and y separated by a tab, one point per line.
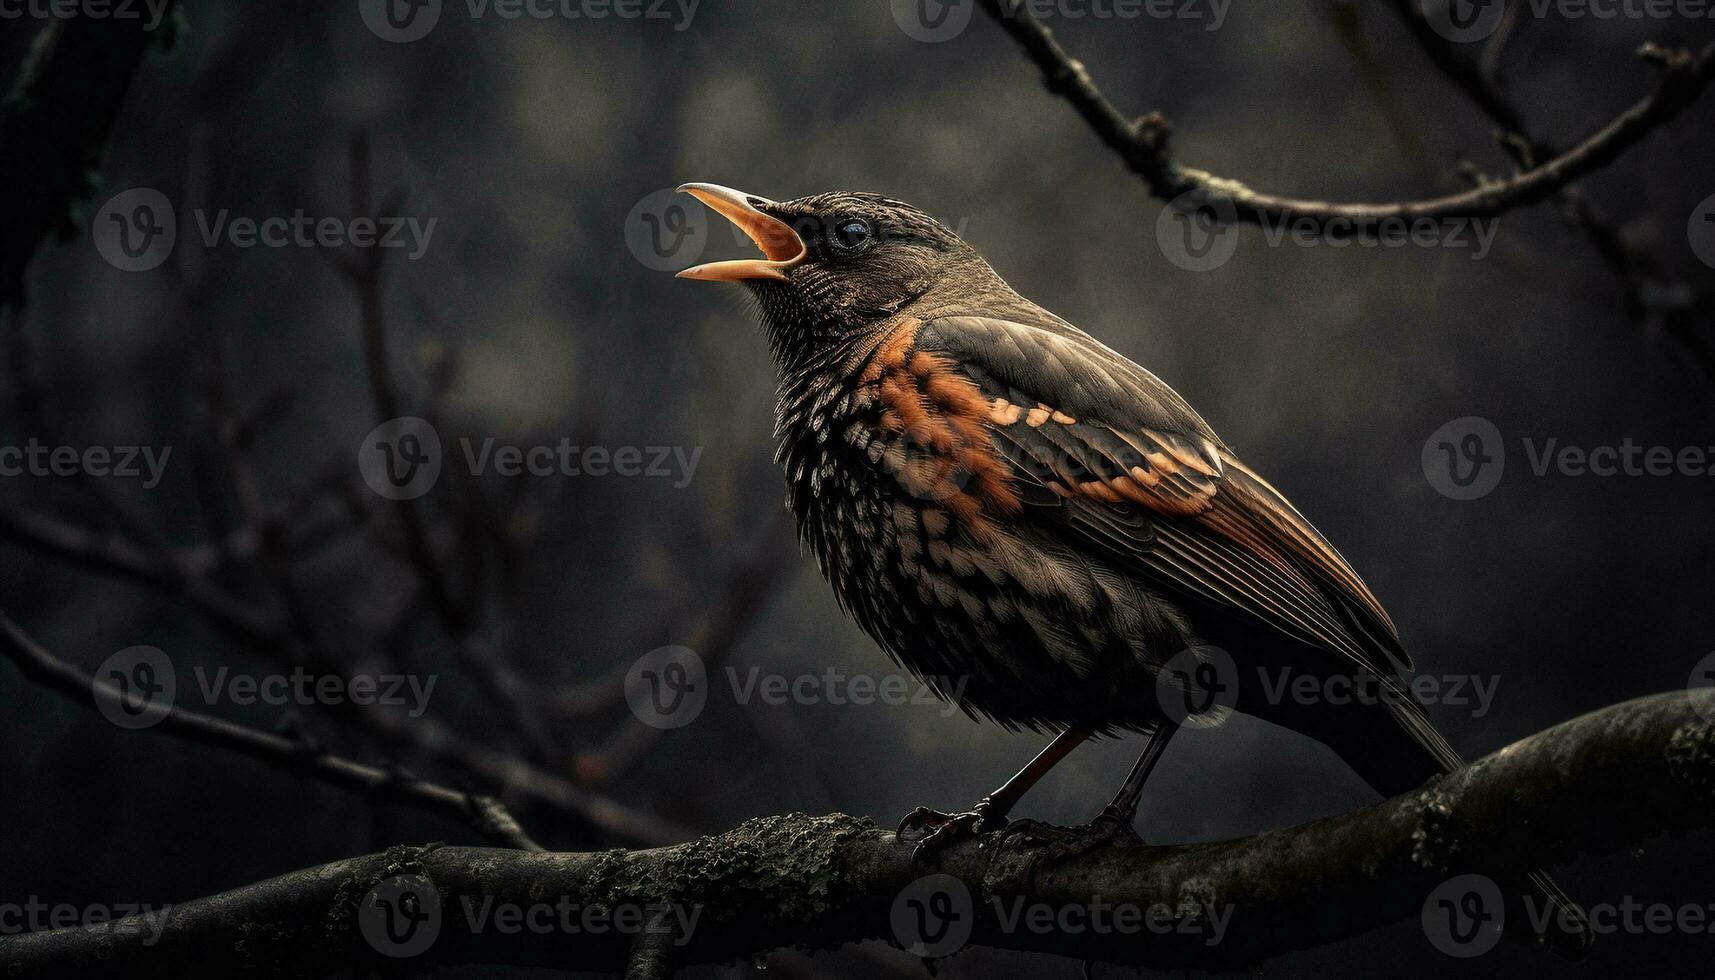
518	779
749	587
715	640
116	555
1686	321
495	679
486	814
112	555
231	439
1143	144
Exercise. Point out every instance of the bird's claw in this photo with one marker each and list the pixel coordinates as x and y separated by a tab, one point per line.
946	828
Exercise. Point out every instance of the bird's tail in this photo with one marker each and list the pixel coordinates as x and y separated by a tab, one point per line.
1384	760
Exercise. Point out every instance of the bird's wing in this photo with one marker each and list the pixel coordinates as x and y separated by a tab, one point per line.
1100	448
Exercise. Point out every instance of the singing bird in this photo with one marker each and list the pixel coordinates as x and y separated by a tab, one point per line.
1034	524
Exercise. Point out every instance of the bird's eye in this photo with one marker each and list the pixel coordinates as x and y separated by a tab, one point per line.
851	234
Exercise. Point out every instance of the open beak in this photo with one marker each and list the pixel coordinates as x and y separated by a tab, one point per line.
779	243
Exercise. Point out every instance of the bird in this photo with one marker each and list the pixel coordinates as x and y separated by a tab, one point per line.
1038	527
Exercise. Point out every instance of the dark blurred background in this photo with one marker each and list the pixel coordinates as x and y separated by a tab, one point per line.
529	317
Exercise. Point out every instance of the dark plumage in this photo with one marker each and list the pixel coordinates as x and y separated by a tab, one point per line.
997	497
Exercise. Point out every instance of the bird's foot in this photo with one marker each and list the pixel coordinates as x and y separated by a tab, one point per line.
942	829
1112	827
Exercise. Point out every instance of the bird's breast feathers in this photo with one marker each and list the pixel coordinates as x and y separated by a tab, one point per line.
980	429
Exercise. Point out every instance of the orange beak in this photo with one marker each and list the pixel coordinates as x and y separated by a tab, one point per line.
779	243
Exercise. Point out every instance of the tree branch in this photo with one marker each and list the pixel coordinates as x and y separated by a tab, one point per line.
117	556
1682	309
1598	783
189	576
749	589
484	813
506	772
495	679
519	779
1143	143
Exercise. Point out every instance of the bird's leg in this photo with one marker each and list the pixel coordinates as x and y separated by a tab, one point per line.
1115	820
1123	809
990	811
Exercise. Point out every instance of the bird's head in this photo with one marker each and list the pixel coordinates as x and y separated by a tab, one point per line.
839	264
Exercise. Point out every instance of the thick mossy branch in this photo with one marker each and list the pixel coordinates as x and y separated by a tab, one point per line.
1598	783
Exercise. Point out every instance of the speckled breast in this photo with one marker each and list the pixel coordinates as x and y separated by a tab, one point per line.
898	492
